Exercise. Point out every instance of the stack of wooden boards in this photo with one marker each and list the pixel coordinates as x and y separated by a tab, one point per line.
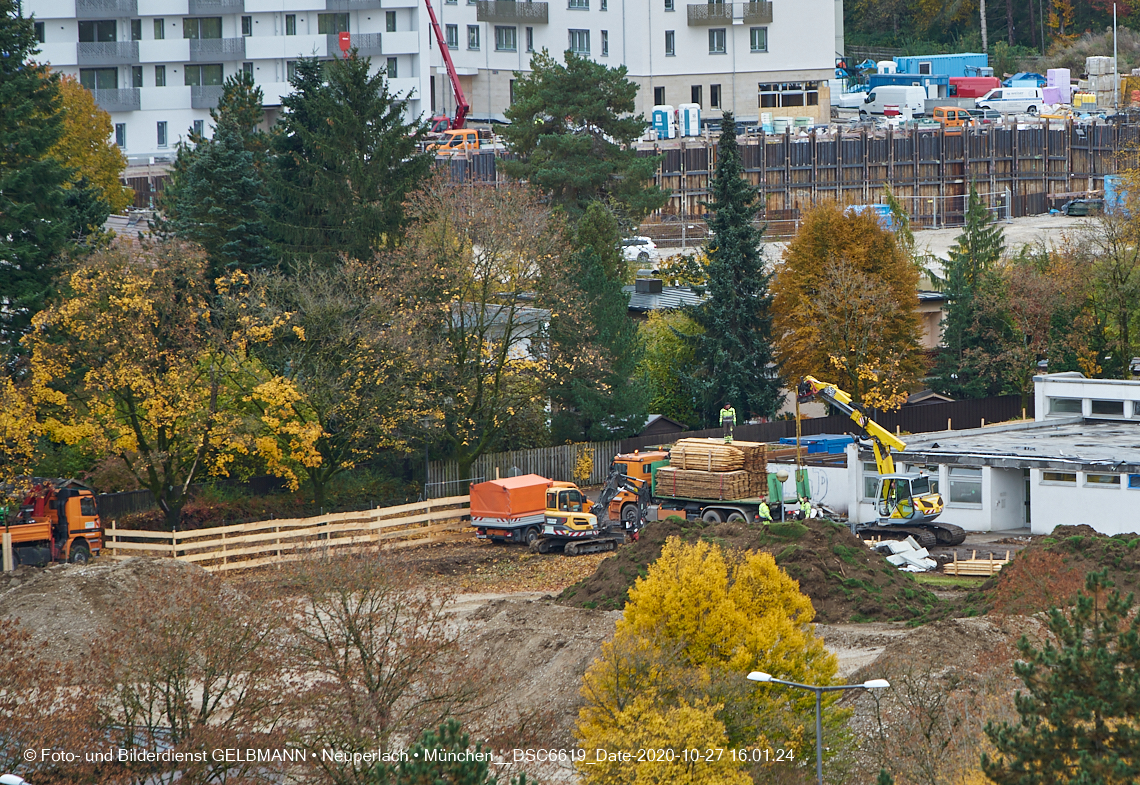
712	469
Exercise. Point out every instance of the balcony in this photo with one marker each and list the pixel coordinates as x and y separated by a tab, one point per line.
215	7
351	5
106	9
213	50
710	14
366	44
508	12
205	97
124	99
108	53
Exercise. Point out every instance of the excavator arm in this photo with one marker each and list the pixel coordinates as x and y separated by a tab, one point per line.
883	442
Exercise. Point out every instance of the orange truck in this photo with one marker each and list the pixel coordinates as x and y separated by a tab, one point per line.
55	525
513	509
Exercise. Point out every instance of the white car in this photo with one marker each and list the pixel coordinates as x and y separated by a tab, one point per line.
639	249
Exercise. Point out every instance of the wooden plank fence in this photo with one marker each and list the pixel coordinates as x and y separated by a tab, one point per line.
246	545
557	463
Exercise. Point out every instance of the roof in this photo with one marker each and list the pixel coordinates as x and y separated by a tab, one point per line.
671	298
928	296
655	417
1069	444
926	396
522	481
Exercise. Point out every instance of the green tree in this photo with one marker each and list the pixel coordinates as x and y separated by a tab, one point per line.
972	257
735	351
1078	715
596	345
669	364
344	161
34	219
573	128
216	196
418	769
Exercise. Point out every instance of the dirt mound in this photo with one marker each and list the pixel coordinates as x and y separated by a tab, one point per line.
65	606
844	579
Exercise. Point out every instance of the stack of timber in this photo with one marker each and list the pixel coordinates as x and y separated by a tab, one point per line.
975	567
695	484
756	464
706	455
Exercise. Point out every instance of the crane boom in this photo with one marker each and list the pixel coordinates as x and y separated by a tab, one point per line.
883	441
461	105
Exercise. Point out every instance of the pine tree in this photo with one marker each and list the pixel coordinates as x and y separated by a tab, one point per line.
1078	716
344	162
427	761
34	219
736	348
217	192
980	245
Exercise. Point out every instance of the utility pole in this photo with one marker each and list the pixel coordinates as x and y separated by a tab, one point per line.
1115	66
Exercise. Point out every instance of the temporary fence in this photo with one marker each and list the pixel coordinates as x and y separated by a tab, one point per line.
556	463
263	543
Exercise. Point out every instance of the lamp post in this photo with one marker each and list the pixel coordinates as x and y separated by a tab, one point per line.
873	684
782	476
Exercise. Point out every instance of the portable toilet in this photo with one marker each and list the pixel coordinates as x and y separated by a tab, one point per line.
689	119
887	67
664	121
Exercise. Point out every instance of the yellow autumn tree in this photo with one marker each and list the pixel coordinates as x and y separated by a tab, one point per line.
131	363
18	433
694	627
86	148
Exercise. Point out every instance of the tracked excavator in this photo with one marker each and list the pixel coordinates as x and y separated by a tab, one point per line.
906	504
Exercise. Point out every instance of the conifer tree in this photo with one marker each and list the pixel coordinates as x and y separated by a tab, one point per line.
427	761
34	219
1078	714
980	245
736	348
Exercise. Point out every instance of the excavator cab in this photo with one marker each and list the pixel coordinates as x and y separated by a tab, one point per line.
908	497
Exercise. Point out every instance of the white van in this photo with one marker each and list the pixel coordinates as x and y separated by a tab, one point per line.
1012	100
912	96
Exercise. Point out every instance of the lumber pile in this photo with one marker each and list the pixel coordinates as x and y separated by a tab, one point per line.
715	457
694	484
707	455
975	567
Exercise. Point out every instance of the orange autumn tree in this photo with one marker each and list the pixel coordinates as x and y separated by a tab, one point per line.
86	148
845	307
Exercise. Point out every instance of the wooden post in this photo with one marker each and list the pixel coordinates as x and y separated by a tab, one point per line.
225	559
9	561
949	424
174	545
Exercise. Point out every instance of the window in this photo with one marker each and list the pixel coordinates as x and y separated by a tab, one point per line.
136	29
924	68
716	41
506	39
162	133
530	39
658	96
87	506
247	69
331	24
99	78
788	94
670	43
669	5
758	39
965	485
1067	478
603	5
1064	406
290	69
290	24
511	93
870	481
203	75
159	29
39	30
714	96
580	42
605	43
1103	480
121	135
393	71
453	36
389	21
202	27
136	76
160	76
472	36
100	32
1108	408
1134	481
247	25
199	128
695	94
582	5
451	2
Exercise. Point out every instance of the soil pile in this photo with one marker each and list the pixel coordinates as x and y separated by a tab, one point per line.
845	580
65	606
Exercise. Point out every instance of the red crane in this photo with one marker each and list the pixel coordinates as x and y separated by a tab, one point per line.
442	123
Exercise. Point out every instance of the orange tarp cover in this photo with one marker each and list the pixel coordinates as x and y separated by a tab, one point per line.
509	497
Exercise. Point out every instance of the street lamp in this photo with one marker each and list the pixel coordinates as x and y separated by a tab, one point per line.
781	475
873	684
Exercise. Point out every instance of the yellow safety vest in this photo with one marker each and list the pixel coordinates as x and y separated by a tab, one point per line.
728	416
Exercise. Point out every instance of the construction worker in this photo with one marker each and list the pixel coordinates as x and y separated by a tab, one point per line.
727	421
765	513
805	508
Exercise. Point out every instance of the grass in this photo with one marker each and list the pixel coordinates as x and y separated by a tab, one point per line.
954	581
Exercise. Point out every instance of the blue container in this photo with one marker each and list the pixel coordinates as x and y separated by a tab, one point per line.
1115	195
823	443
950	65
922	80
883	211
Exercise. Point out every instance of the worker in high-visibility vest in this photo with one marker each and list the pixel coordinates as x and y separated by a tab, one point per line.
727	421
765	514
805	508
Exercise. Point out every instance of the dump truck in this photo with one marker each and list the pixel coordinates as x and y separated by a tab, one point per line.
464	140
56	524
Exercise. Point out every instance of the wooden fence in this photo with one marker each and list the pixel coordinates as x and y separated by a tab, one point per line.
275	542
556	463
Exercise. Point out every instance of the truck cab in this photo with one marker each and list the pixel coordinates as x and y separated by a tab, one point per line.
55	525
638	466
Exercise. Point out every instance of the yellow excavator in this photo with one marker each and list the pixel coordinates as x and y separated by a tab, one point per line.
906	504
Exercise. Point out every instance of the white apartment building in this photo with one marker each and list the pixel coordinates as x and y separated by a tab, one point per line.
158	65
770	56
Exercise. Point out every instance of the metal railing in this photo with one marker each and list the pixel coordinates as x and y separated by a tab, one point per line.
724	13
507	11
205	97
123	99
366	44
351	5
107	53
216	7
204	50
106	9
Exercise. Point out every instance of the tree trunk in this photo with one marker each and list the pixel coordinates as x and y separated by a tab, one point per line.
982	10
1032	26
1009	20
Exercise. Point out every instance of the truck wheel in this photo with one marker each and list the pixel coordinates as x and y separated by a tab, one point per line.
735	517
712	516
629	513
531	536
80	553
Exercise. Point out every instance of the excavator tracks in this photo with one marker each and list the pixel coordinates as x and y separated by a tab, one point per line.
947	533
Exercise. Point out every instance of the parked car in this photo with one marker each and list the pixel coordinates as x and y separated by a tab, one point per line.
639	249
1077	207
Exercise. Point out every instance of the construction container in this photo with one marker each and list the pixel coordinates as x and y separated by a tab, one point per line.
948	65
509	498
665	121
823	443
973	86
